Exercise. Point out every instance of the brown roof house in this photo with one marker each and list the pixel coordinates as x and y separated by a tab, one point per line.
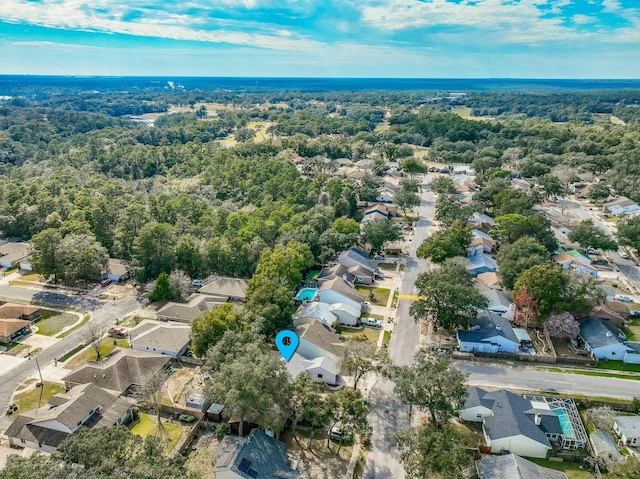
187	312
45	428
12	329
14	255
20	311
119	371
117	270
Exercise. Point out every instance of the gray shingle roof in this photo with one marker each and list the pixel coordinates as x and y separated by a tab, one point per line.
317	333
257	456
598	333
510	466
510	418
488	325
353	255
629	425
475	397
171	337
224	286
119	371
338	285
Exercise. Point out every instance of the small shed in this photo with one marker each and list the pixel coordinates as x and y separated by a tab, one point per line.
214	413
196	401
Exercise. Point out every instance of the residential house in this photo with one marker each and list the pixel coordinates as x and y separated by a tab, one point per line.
482	244
526	425
12	329
481	263
489	280
20	311
355	257
347	315
45	428
119	371
187	312
609	291
356	274
628	429
314	310
336	290
520	184
319	369
118	270
170	338
490	333
499	303
512	466
477	233
318	340
257	456
226	289
604	447
386	210
385	195
621	206
613	311
14	255
575	264
605	341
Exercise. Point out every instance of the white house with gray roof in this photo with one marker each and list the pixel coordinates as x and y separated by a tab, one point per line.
526	425
512	466
628	429
336	290
355	257
170	338
314	310
605	341
490	333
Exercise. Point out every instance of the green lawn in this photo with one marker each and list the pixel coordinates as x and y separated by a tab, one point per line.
14	349
633	330
29	400
380	295
571	469
370	333
147	426
52	322
620	366
84	321
106	346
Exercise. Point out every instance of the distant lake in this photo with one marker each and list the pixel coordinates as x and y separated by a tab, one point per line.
20	84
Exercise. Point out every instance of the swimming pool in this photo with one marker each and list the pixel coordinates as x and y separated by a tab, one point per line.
307	294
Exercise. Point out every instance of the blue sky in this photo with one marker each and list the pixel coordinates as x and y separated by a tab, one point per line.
323	38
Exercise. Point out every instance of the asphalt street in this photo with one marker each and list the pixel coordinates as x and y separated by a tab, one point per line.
104	313
531	379
388	415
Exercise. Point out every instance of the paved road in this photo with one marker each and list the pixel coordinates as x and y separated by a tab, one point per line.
539	380
388	415
104	313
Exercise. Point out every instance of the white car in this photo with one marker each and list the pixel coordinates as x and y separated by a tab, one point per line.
371	322
623	255
624	298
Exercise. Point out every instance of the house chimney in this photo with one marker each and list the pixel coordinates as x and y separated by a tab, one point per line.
538	419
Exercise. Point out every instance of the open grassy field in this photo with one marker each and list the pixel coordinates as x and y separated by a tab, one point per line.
30	399
52	322
370	333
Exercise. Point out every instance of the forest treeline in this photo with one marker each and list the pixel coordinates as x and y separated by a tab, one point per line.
78	165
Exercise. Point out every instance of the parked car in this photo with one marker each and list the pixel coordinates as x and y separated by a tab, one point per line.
371	322
119	332
634	314
378	276
105	282
338	434
624	298
196	283
600	262
623	255
593	251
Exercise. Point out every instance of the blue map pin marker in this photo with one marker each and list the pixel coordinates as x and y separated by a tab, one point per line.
287	343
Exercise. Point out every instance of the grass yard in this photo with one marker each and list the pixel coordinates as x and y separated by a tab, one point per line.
53	322
148	426
387	338
380	295
14	349
106	346
29	400
633	330
387	266
85	320
571	469
370	333
471	437
620	366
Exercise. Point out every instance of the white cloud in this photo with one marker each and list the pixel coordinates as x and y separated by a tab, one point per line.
580	19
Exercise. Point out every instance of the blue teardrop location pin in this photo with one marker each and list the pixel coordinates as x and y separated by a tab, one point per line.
287	343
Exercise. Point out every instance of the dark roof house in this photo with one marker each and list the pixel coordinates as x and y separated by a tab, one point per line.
490	333
256	456
226	288
355	257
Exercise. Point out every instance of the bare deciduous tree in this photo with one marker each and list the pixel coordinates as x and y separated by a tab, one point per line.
150	392
92	335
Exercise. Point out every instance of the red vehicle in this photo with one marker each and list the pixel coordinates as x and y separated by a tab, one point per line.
105	282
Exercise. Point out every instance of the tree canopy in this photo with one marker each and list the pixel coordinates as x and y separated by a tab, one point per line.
586	234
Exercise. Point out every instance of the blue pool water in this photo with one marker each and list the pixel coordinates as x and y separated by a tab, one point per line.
307	294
